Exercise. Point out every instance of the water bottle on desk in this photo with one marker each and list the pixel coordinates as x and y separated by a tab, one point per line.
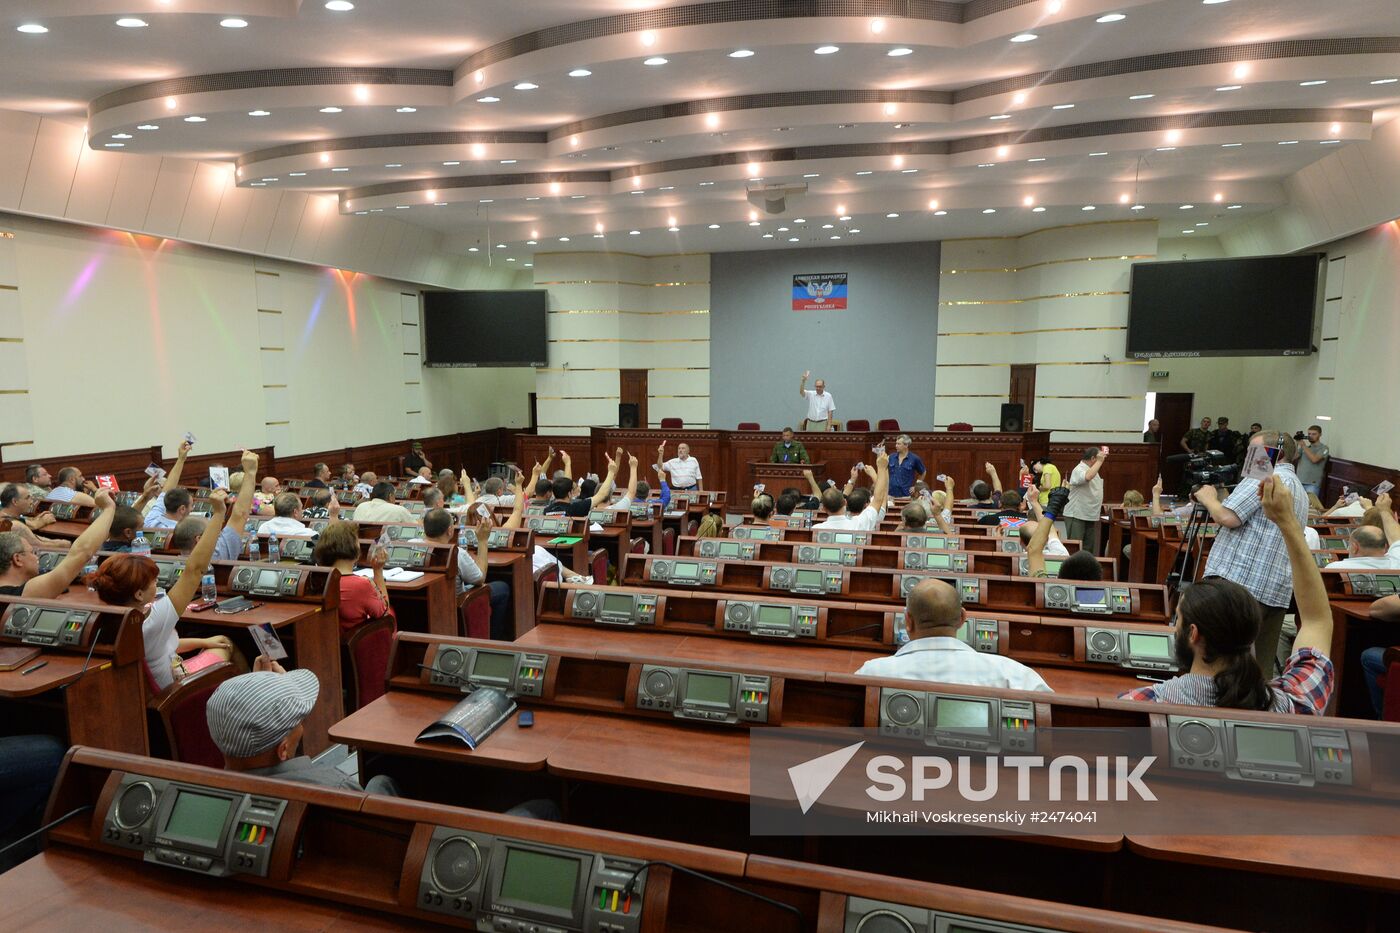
254	548
274	552
462	535
141	545
208	589
89	569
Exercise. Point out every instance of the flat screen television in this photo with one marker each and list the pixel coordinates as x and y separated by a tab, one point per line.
1262	306
485	329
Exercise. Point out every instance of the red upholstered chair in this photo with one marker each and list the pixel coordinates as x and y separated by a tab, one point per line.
857	424
887	424
365	660
668	542
181	712
474	612
748	426
959	426
544	575
691	527
639	546
598	561
1390	683
672	424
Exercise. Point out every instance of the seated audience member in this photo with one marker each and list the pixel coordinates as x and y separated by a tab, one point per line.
438	527
711	526
1010	511
933	614
365	487
348	477
18	505
126	523
70	479
424	477
540	558
1370	548
762	509
320	506
1080	565
381	507
19	564
913	517
1132	499
287	519
565	494
131	580
1217	622
1054	547
1373	667
320	477
789	450
230	543
786	503
28	766
838	516
360	600
262	500
38	480
256	721
415	460
493	493
174	502
983	495
1047	478
433	499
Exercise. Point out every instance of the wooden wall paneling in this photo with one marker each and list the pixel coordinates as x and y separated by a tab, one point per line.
1358	477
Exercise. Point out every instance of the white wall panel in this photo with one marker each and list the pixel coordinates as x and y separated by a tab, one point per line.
286	223
51	168
91	196
211	181
168	200
17	135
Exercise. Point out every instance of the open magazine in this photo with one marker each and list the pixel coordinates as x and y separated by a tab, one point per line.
473	719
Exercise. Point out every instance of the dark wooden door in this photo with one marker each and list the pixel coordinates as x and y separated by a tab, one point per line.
1174	412
632	389
1022	392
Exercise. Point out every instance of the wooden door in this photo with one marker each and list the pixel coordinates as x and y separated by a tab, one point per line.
1022	392
632	389
1174	412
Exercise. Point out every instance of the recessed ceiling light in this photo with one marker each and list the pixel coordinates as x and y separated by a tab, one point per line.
193	119
132	22
706	184
1310	83
741	53
714	226
674	229
792	239
986	164
854	230
508	161
827	49
121	135
1385	81
1234	207
656	60
782	229
1204	223
526	86
892	215
452	163
1213	2
1037	159
1024	37
1188	231
1229	87
828	226
989	210
405	110
33	29
812	175
908	171
1142	97
939	213
400	207
867	172
258	184
844	217
768	236
488	100
339	6
340	169
473	249
534	198
1166	149
233	22
899	52
1000	116
580	73
1098	153
149	126
297	174
331	110
1330	142
393	165
634	233
1138	207
802	220
1231	145
116	145
1063	107
563	239
271	179
755	223
835	236
259	113
1112	18
1038	210
1186	207
1288	142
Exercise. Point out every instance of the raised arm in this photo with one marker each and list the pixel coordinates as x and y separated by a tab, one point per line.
802	388
517	509
1392	529
568	463
992	475
1309	593
52	584
1093	470
851	483
1225	517
1306	447
243	505
172	479
1157	497
468	490
632	478
148	492
184	589
882	479
1035	547
548	461
812	483
606	486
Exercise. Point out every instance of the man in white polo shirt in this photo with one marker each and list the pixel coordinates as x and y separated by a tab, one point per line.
820	404
684	469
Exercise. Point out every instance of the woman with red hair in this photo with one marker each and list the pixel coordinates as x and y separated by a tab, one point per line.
130	580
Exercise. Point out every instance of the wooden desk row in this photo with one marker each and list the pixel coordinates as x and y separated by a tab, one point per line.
327	859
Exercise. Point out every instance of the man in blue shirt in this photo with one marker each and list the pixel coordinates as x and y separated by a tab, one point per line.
906	468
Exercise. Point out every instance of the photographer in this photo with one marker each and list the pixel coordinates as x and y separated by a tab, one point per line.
1312	459
1250	549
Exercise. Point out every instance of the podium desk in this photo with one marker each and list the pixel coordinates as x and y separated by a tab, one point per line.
776	477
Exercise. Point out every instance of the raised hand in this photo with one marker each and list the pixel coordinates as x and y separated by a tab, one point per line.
1277	500
184	448
1157	486
103	499
250	463
219	500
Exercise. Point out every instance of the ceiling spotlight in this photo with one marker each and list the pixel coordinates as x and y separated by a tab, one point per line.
900	52
1037	210
1028	201
1002	151
1385	81
755	223
634	233
361	93
233	22
193	119
563	239
1334	128
890	109
1213	2
989	210
1138	207
149	126
768	236
116	145
1142	97
1234	207
827	49
800	220
897	161
1054	6
828	226
1173	136
1088	207
751	168
673	229
1123	199
1310	83
877	26
741	53
834	236
1019	98
170	103
526	86
1112	18
656	60
792	239
892	215
844	217
340	170
488	100
670	221
648	38
131	22
1218	197
33	29
339	6
714	226
259	113
330	110
712	120
1063	107
1025	37
1186	207
580	73
534	235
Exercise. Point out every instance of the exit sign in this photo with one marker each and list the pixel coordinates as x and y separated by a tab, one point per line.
1160	374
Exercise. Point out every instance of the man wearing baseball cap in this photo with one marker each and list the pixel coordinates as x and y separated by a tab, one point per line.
256	720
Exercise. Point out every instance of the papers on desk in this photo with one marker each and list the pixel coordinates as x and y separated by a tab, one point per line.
391	574
473	719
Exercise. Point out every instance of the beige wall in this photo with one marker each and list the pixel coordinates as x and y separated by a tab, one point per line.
110	340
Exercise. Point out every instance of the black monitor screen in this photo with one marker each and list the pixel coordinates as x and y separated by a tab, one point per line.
49	622
540	879
1266	746
1213	307
484	328
963	715
617	602
197	818
494	665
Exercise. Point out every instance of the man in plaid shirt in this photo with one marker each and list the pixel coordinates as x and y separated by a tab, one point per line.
1249	548
1214	625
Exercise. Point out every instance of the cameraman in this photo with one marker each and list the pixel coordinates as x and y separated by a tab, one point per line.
1250	549
1312	459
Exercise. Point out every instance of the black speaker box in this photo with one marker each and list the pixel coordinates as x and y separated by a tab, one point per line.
628	414
1013	418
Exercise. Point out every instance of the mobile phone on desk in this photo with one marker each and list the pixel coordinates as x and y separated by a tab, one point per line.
527	718
201	605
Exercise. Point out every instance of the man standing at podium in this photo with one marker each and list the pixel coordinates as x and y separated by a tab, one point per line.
820	405
789	450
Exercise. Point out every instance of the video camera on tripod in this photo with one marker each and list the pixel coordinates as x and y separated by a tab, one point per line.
1211	468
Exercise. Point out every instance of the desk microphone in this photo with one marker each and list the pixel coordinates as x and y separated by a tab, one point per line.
627	888
82	673
45	828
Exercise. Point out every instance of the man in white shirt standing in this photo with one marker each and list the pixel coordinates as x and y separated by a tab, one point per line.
1086	499
834	501
820	404
933	614
684	469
